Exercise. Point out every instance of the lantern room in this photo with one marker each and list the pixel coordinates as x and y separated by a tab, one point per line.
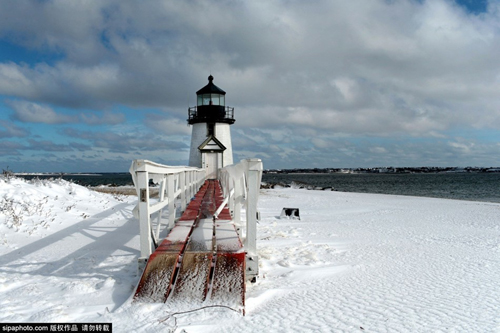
211	106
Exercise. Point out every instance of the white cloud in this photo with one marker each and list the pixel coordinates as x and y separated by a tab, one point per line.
35	113
10	130
378	150
106	118
463	147
167	125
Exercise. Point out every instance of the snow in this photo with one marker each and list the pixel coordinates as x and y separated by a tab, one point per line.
353	263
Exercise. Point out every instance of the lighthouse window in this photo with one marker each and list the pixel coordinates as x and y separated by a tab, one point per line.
215	99
206	99
222	100
200	100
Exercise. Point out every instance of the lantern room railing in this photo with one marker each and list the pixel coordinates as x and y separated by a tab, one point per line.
207	113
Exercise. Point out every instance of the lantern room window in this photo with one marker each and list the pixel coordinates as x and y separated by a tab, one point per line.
215	99
211	99
206	99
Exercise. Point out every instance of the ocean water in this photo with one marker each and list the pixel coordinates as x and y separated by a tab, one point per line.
463	186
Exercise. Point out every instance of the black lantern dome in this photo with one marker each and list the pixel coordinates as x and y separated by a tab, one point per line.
211	106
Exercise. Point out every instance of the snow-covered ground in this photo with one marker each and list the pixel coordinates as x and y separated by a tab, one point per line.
353	263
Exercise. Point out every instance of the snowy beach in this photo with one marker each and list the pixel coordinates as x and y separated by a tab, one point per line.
352	263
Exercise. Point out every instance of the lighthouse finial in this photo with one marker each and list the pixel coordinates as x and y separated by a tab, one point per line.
210	78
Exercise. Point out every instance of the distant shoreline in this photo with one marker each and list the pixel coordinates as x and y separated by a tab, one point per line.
385	170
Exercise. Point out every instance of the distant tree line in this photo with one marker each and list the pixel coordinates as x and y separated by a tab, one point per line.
386	170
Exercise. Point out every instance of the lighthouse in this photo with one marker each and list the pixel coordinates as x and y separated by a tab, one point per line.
211	147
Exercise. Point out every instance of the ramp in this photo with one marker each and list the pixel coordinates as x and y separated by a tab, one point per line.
201	261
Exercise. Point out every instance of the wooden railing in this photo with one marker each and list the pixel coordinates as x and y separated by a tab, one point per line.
176	186
240	185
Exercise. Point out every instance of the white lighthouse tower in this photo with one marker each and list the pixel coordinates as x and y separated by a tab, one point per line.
211	147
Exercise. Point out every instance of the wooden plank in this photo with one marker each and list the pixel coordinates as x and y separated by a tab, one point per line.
201	237
177	238
207	208
227	237
192	280
156	278
189	214
158	274
228	285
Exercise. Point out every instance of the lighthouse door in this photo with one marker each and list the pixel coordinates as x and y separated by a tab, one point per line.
211	165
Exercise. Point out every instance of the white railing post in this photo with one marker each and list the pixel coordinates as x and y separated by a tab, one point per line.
193	183
254	169
238	199
189	185
227	192
144	218
161	196
171	199
182	185
201	179
253	183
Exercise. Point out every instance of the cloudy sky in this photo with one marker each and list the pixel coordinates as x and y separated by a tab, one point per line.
89	86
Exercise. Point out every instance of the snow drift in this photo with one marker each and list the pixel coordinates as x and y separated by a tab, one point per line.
354	262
